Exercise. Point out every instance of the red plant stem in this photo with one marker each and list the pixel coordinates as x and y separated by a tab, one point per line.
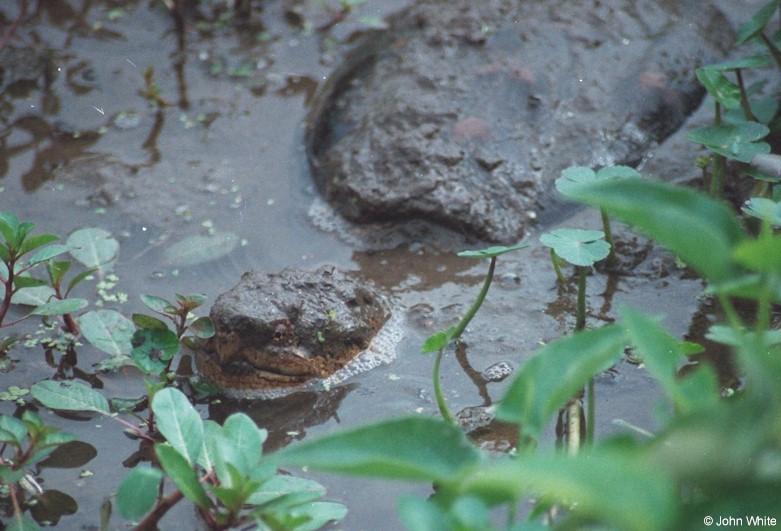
9	283
150	522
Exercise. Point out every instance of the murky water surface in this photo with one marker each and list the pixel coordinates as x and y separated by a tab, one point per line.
81	145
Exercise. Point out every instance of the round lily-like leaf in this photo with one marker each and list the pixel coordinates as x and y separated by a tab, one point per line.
491	252
93	247
737	142
203	327
577	246
764	208
579	175
757	23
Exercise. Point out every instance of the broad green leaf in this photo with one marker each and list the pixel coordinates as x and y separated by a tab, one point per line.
718	86
69	395
247	441
737	141
280	484
762	254
158	304
23	281
108	330
14	428
749	286
764	110
138	492
153	348
764	208
147	321
47	253
661	354
206	457
757	23
662	210
420	515
182	474
191	301
203	327
57	270
577	246
198	249
319	514
577	175
414	448
556	373
727	336
21	233
751	61
179	422
93	247
5	254
491	252
617	172
33	296
438	340
21	522
60	307
619	490
9	225
39	240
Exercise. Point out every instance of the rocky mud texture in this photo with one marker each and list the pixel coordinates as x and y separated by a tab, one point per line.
282	329
463	113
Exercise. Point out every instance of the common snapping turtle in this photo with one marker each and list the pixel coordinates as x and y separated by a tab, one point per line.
279	330
464	112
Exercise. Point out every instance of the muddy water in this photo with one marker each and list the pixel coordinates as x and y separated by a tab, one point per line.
81	146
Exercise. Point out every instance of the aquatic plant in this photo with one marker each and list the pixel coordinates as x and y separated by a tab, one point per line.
26	441
724	449
440	340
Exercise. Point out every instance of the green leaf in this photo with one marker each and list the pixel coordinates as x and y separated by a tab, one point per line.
280	485
414	448
179	422
22	522
60	307
420	515
78	279
764	208
69	396
93	247
15	430
621	491
738	141
577	246
718	86
727	336
762	254
47	253
318	514
246	440
23	281
191	301
491	252
661	210
555	373
662	354
33	296
153	348
438	340
757	23
57	270
138	492
147	321
752	61
158	304
108	330
9	226
199	249
203	327
39	240
764	110
179	469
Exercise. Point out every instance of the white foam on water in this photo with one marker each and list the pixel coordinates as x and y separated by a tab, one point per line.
381	351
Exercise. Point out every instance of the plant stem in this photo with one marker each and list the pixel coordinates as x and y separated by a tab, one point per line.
774	51
447	416
591	412
9	284
555	261
719	162
150	522
462	324
611	257
573	427
744	103
580	322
